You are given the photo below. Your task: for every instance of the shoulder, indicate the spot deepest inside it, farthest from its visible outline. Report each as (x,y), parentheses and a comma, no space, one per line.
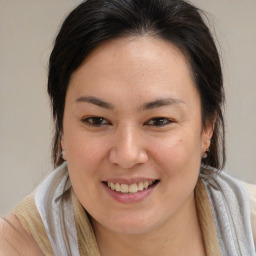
(14,239)
(252,192)
(237,195)
(252,196)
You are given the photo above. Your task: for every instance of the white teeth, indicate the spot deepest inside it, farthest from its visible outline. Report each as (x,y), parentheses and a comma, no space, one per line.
(117,187)
(146,183)
(133,188)
(140,186)
(124,188)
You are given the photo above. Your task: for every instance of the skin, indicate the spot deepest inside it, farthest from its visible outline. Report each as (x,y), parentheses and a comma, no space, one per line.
(150,128)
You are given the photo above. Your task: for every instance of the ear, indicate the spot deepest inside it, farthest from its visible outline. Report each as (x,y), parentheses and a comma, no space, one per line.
(62,142)
(207,133)
(63,147)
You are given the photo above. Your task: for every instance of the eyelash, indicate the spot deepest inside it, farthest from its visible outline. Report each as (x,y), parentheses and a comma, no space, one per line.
(159,121)
(98,121)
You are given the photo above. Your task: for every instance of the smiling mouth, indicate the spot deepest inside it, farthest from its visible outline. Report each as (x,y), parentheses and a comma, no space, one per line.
(130,189)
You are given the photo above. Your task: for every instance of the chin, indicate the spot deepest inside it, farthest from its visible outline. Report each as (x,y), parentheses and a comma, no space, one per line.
(132,225)
(132,229)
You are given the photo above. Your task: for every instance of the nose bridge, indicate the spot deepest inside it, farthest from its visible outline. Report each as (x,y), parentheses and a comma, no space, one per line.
(128,149)
(128,140)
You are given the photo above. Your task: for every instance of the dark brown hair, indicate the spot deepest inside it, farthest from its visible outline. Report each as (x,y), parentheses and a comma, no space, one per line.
(96,21)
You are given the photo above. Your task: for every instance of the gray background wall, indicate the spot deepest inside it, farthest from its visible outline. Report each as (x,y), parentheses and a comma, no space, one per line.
(27,29)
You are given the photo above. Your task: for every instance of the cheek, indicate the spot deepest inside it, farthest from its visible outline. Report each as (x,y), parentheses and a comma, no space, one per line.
(85,156)
(85,149)
(177,154)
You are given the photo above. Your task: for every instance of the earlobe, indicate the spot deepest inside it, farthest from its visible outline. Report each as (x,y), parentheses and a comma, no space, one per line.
(206,143)
(207,135)
(63,152)
(205,154)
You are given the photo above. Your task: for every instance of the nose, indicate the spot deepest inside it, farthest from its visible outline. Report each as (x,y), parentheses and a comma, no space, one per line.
(128,150)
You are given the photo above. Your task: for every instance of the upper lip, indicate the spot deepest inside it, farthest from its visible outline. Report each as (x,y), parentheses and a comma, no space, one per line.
(128,181)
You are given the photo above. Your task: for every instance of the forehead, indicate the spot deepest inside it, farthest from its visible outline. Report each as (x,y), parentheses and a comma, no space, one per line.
(141,65)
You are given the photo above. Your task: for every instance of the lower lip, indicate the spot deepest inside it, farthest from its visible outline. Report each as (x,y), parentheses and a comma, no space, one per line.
(130,198)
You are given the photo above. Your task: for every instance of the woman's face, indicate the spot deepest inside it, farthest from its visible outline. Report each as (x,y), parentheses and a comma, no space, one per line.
(133,118)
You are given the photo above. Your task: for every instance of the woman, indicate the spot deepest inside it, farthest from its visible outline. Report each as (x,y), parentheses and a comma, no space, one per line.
(137,95)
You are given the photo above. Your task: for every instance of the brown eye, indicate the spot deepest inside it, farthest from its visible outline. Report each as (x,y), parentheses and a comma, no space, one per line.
(159,121)
(95,121)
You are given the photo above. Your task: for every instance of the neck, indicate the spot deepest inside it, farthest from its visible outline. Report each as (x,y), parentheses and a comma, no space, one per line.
(180,235)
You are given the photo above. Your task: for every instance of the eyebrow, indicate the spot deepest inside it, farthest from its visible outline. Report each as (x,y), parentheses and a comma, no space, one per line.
(95,101)
(147,106)
(161,103)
